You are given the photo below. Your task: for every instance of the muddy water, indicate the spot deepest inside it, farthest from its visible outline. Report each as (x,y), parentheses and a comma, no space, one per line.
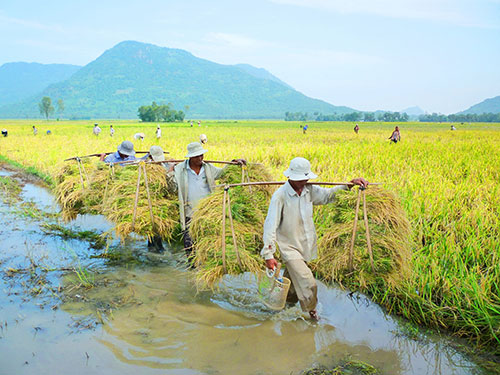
(147,318)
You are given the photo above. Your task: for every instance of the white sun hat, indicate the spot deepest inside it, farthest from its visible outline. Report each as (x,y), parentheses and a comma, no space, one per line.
(195,149)
(203,139)
(156,153)
(300,169)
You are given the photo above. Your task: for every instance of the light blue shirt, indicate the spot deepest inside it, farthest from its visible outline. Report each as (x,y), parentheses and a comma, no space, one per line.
(115,158)
(197,189)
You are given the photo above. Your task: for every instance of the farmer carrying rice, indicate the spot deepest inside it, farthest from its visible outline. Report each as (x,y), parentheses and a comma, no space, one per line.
(289,223)
(193,179)
(125,152)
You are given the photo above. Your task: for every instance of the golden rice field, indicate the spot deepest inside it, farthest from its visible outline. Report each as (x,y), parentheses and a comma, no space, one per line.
(448,183)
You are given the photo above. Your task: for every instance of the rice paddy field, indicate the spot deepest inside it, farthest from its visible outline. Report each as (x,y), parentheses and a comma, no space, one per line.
(448,183)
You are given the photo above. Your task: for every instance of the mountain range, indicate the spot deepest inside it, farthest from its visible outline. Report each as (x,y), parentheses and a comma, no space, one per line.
(491,105)
(132,74)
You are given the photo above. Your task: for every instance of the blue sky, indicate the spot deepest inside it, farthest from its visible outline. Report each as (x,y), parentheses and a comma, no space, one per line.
(442,55)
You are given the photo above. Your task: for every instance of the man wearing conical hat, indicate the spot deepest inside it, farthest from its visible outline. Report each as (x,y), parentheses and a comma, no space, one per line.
(194,180)
(289,224)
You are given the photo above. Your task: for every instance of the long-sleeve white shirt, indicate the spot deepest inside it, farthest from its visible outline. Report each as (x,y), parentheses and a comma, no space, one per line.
(289,221)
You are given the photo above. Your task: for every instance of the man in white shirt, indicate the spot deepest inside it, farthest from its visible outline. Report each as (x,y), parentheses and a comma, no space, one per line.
(194,180)
(111,131)
(158,132)
(289,223)
(97,130)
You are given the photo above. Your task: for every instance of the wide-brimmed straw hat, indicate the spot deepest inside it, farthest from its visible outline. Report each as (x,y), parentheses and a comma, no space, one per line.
(195,149)
(156,153)
(126,148)
(299,170)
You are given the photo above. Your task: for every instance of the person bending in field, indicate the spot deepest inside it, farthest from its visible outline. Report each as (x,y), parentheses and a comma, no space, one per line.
(193,179)
(125,152)
(5,133)
(289,224)
(356,129)
(96,130)
(395,136)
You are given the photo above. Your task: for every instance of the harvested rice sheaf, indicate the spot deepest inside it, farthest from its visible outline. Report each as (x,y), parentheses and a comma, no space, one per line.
(111,193)
(120,201)
(249,208)
(75,198)
(390,235)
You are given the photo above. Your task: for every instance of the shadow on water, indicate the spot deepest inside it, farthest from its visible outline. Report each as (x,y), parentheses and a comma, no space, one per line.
(63,310)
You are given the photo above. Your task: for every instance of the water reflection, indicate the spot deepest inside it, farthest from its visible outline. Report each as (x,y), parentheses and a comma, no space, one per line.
(171,326)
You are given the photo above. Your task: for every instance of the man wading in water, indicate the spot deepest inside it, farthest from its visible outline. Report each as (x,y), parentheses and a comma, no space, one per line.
(193,179)
(289,223)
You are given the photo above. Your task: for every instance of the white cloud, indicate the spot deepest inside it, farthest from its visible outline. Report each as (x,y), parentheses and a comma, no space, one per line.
(453,12)
(234,40)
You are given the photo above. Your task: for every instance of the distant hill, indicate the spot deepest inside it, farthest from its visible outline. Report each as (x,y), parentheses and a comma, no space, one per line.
(132,74)
(413,111)
(260,73)
(491,105)
(20,80)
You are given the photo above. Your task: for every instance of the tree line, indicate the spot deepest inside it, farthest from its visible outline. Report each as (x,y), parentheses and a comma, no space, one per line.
(354,116)
(158,113)
(392,117)
(470,117)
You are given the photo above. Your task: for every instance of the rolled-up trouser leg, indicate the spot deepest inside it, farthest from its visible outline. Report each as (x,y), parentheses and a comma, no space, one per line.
(304,284)
(188,242)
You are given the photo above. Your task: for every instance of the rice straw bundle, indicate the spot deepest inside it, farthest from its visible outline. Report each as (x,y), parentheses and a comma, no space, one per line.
(248,208)
(119,204)
(75,199)
(390,238)
(111,193)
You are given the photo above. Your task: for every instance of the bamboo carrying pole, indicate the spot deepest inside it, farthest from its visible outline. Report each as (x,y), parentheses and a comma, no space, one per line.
(224,230)
(105,153)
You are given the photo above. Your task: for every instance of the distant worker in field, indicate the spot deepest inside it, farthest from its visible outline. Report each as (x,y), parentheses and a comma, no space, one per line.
(356,129)
(49,132)
(124,152)
(199,123)
(203,139)
(396,135)
(111,131)
(304,129)
(193,179)
(289,224)
(191,123)
(453,127)
(5,133)
(158,132)
(35,130)
(139,136)
(96,130)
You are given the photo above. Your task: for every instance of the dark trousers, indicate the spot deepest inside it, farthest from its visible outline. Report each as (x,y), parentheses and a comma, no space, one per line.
(188,241)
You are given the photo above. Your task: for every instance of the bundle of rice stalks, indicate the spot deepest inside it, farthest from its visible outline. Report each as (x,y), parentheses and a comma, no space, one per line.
(389,233)
(248,208)
(119,203)
(75,198)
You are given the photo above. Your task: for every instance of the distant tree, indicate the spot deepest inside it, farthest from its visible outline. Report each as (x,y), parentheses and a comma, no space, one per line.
(45,107)
(60,106)
(163,112)
(369,116)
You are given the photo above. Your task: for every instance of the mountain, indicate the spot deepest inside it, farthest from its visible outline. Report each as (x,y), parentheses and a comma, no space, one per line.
(260,73)
(413,111)
(20,80)
(491,105)
(132,74)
